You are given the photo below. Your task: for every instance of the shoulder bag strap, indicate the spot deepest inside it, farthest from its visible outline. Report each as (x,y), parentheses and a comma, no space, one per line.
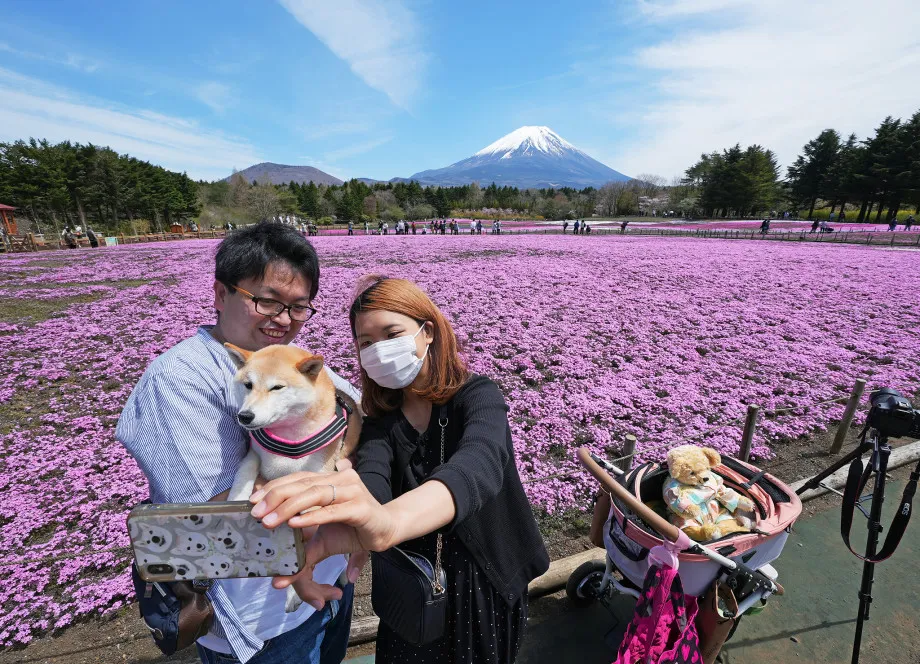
(442,422)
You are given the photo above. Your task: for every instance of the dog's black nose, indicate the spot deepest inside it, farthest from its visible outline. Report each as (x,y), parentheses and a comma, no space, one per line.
(246,416)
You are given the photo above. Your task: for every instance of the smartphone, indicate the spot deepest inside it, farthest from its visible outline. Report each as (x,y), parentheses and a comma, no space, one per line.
(217,540)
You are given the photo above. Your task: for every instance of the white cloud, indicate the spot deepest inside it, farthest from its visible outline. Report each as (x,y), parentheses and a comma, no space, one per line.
(72,60)
(32,108)
(667,8)
(380,41)
(356,149)
(331,169)
(321,131)
(774,72)
(217,96)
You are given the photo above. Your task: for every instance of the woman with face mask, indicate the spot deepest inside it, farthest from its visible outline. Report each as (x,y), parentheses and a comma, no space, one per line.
(435,474)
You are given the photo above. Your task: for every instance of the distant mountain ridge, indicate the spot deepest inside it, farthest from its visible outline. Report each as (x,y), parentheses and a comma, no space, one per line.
(528,157)
(283,174)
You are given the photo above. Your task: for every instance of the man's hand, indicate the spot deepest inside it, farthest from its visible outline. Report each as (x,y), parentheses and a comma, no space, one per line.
(316,548)
(313,593)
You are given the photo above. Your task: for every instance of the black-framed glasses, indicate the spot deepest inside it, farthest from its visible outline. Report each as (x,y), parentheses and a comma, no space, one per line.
(271,308)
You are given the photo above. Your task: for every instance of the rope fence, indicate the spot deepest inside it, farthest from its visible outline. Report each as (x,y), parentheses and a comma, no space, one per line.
(748,433)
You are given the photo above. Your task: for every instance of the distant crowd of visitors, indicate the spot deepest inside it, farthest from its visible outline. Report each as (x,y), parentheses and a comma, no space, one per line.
(580,227)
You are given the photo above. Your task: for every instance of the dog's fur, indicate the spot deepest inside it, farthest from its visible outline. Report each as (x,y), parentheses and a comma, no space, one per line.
(290,393)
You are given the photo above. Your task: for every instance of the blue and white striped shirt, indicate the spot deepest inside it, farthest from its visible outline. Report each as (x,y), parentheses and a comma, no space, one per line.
(180,426)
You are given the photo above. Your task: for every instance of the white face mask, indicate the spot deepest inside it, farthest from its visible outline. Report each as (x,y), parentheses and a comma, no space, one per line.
(393,363)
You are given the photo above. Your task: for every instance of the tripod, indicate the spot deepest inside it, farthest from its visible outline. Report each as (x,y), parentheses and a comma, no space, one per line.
(878,466)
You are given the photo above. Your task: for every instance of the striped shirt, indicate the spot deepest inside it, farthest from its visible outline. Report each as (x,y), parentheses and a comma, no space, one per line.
(180,426)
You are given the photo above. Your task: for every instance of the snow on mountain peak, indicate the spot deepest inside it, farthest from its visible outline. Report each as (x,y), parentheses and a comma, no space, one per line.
(528,139)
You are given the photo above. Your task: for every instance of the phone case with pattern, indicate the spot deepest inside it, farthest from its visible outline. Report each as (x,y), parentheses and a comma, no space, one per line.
(219,540)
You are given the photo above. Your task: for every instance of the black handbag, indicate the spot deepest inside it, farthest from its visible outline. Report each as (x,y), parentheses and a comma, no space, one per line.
(408,593)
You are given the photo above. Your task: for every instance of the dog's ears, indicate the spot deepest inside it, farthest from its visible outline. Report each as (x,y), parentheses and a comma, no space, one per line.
(237,354)
(311,366)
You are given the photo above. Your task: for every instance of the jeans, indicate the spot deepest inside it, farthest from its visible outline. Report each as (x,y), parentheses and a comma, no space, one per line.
(322,639)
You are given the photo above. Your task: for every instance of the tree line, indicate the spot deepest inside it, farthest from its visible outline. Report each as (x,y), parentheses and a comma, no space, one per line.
(881,171)
(72,184)
(356,200)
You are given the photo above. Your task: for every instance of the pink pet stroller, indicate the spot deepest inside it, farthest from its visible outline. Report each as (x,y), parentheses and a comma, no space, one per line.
(736,566)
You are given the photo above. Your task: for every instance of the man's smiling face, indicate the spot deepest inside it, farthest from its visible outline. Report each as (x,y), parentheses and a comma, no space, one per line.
(243,326)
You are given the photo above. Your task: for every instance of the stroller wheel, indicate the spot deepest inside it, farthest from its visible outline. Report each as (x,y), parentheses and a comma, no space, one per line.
(584,583)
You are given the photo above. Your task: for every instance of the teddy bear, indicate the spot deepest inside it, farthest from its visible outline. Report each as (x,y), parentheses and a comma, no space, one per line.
(699,503)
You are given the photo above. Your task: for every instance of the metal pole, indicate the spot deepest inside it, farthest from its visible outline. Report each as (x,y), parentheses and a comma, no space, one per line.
(848,414)
(750,425)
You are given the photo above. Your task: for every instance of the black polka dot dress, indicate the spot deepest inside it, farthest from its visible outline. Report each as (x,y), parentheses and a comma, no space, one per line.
(482,628)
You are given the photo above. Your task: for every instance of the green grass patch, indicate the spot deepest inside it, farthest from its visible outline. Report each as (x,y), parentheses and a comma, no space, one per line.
(572,523)
(48,262)
(21,406)
(119,283)
(25,311)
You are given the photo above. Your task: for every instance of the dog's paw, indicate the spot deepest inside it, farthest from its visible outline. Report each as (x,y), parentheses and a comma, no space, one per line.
(241,492)
(293,600)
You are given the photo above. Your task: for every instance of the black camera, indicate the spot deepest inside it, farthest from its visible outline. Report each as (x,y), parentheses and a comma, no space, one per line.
(892,415)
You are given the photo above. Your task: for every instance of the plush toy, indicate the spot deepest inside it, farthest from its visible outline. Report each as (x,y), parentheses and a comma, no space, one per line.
(699,503)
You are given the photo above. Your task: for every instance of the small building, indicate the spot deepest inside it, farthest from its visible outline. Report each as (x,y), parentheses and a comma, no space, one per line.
(6,218)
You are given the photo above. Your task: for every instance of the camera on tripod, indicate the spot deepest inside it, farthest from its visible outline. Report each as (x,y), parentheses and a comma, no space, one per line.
(892,415)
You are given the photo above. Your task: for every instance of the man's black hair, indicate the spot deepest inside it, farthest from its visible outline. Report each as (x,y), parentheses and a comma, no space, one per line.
(246,253)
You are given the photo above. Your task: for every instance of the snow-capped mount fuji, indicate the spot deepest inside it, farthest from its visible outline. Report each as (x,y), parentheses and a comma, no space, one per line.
(529,157)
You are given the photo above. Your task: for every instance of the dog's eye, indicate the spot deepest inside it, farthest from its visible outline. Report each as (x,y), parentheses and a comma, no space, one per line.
(276,387)
(247,385)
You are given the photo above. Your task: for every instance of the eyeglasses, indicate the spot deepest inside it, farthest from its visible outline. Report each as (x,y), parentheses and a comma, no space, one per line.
(271,308)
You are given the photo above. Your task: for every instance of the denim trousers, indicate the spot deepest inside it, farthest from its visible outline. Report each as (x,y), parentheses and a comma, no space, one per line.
(322,639)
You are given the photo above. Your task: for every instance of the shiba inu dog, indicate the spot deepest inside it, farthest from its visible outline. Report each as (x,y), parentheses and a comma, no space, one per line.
(296,419)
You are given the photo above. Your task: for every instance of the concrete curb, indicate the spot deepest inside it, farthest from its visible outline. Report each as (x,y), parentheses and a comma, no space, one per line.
(555,578)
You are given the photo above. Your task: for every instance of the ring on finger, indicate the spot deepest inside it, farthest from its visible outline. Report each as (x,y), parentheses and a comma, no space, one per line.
(332,486)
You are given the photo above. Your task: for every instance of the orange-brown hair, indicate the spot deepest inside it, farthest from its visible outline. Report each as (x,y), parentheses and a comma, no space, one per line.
(447,371)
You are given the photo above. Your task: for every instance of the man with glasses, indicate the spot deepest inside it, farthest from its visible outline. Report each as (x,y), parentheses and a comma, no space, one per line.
(180,425)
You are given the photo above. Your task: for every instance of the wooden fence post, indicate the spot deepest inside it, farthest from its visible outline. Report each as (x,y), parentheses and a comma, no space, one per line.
(750,425)
(32,245)
(848,414)
(629,448)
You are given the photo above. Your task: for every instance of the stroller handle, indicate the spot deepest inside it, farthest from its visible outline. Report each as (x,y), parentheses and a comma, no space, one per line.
(664,528)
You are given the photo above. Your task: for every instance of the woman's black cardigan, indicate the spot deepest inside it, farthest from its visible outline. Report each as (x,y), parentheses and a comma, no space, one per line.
(493,520)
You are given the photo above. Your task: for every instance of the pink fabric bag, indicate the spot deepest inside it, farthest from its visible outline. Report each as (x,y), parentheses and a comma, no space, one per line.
(662,630)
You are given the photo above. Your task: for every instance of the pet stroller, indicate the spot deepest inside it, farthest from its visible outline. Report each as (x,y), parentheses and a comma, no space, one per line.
(733,572)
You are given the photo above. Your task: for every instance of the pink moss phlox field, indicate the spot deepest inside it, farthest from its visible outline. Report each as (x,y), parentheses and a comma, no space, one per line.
(776,226)
(590,339)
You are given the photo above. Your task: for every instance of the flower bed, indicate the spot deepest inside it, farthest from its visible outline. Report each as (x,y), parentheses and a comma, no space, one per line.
(590,341)
(776,225)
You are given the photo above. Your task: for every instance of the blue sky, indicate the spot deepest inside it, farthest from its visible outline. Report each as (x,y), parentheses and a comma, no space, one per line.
(371,88)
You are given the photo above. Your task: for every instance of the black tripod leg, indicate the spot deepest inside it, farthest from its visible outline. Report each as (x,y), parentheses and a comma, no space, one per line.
(879,465)
(833,468)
